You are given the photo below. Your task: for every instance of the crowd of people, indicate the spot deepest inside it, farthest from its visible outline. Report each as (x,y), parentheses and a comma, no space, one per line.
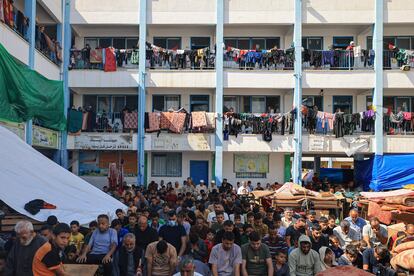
(202,230)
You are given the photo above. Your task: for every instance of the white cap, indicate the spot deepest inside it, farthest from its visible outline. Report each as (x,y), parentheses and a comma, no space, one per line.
(212,181)
(201,181)
(352,42)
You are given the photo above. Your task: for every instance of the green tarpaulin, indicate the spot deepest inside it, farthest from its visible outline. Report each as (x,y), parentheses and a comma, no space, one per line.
(27,95)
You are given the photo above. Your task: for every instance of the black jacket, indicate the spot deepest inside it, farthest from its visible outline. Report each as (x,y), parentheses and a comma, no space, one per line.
(123,259)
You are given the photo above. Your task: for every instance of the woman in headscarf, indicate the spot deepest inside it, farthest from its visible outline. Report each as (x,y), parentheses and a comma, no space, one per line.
(327,258)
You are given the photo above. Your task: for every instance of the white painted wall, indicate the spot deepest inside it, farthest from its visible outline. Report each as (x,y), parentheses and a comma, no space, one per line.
(53,7)
(45,67)
(276,169)
(14,44)
(104,12)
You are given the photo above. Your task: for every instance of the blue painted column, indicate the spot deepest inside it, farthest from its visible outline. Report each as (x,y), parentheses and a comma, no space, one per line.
(30,12)
(67,41)
(378,67)
(297,39)
(141,91)
(218,163)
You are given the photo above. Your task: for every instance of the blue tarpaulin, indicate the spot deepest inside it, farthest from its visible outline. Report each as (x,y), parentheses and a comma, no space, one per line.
(363,173)
(337,176)
(392,171)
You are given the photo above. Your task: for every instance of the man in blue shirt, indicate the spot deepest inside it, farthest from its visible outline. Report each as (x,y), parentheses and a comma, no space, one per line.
(357,223)
(102,246)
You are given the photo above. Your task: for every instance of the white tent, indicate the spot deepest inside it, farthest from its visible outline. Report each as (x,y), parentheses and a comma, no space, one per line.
(25,174)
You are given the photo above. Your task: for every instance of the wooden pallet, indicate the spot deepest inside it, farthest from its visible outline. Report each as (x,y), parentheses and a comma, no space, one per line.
(9,221)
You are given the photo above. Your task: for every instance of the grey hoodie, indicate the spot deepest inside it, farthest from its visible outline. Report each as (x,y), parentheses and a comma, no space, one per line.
(301,264)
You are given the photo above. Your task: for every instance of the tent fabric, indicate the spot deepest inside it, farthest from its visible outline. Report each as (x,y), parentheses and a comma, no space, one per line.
(363,173)
(26,94)
(26,175)
(392,172)
(335,175)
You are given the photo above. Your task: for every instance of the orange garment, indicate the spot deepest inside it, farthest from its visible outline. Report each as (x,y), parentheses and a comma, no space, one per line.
(46,260)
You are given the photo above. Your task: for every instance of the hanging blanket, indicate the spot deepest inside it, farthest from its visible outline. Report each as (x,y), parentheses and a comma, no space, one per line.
(396,193)
(374,210)
(177,122)
(199,119)
(211,120)
(131,120)
(165,120)
(154,121)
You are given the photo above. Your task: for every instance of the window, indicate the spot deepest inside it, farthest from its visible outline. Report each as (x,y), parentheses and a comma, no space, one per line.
(118,103)
(166,165)
(388,102)
(250,175)
(116,42)
(119,43)
(90,100)
(131,102)
(132,43)
(231,102)
(93,42)
(257,43)
(261,104)
(313,100)
(312,43)
(168,42)
(199,103)
(165,102)
(200,42)
(403,42)
(258,104)
(104,104)
(343,103)
(342,41)
(105,42)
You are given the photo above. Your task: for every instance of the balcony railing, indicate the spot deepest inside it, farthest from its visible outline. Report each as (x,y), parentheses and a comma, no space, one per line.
(241,60)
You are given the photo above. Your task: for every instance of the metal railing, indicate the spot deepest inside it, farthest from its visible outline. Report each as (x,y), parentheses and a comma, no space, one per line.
(277,60)
(337,60)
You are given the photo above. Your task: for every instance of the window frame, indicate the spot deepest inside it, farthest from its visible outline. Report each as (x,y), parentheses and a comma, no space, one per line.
(125,38)
(164,103)
(343,96)
(250,39)
(192,101)
(199,47)
(321,38)
(351,38)
(166,174)
(167,38)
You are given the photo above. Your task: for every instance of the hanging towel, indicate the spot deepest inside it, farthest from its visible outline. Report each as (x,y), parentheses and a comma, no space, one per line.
(211,120)
(110,60)
(75,121)
(199,119)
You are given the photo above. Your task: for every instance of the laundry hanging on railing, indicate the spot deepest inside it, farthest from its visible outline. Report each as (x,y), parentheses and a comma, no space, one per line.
(249,59)
(180,121)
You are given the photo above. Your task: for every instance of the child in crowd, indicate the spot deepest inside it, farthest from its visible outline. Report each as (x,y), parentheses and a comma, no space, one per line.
(281,266)
(237,221)
(335,246)
(76,238)
(209,241)
(133,220)
(247,229)
(71,254)
(331,225)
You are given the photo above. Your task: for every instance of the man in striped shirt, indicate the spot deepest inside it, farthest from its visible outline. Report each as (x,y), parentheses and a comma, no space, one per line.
(275,243)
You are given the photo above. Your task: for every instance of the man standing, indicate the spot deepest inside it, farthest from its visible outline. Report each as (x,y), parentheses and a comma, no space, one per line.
(287,219)
(357,223)
(226,257)
(20,259)
(174,234)
(375,233)
(48,258)
(256,257)
(345,234)
(304,261)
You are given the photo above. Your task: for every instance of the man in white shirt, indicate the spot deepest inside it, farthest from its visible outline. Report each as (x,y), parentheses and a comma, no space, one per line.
(187,267)
(375,233)
(345,234)
(201,187)
(211,218)
(244,189)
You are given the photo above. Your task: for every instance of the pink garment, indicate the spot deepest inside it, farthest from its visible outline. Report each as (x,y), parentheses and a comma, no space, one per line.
(407,116)
(330,117)
(131,120)
(154,121)
(166,118)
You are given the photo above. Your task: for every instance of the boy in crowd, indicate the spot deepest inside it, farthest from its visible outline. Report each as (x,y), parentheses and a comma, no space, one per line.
(49,257)
(76,238)
(335,246)
(281,267)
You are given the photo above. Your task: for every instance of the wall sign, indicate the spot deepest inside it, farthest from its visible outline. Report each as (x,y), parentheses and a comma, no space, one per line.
(103,142)
(45,138)
(255,163)
(316,143)
(16,128)
(200,142)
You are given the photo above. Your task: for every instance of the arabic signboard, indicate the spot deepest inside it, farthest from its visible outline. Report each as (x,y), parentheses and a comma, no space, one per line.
(16,128)
(45,138)
(103,142)
(255,163)
(316,144)
(189,142)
